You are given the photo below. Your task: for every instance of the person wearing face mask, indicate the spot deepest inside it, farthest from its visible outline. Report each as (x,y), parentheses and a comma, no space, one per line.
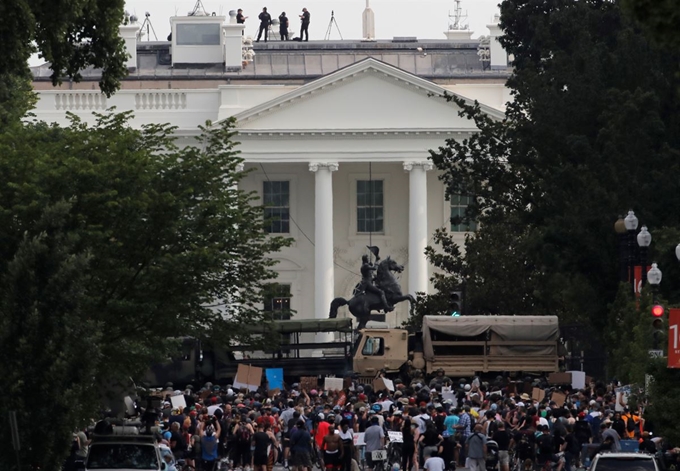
(408,447)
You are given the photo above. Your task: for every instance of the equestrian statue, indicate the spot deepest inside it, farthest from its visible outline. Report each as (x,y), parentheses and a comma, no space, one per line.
(379,292)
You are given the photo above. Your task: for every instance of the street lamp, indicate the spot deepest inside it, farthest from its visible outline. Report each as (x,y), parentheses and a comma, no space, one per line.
(644,239)
(654,276)
(622,236)
(677,252)
(631,223)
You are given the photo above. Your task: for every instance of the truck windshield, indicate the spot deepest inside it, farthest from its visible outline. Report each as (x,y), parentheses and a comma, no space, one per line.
(122,456)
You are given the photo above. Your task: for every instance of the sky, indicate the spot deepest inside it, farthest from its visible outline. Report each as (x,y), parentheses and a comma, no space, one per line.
(424,19)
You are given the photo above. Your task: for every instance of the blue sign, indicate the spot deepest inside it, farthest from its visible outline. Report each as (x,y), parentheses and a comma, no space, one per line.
(274,378)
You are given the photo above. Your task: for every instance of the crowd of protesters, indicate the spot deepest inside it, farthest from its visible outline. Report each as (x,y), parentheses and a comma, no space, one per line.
(440,423)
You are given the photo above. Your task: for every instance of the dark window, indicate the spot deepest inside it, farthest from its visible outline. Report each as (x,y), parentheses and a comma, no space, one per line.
(198,35)
(276,196)
(459,204)
(122,456)
(370,207)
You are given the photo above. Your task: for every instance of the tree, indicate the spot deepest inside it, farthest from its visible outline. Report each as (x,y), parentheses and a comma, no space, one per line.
(172,248)
(52,343)
(660,19)
(71,36)
(593,130)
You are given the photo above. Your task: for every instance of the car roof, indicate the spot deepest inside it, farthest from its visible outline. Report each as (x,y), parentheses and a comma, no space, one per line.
(642,456)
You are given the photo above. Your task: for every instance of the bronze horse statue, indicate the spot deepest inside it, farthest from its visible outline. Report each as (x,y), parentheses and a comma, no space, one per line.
(362,303)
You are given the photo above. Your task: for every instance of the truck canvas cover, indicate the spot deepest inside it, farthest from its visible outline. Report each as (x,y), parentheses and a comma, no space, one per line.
(543,331)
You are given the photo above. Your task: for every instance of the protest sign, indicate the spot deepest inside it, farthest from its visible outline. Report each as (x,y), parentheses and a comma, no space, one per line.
(537,394)
(307,383)
(178,402)
(274,378)
(333,384)
(559,398)
(248,377)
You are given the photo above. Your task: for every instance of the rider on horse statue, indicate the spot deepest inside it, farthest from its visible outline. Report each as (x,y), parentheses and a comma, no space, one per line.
(367,284)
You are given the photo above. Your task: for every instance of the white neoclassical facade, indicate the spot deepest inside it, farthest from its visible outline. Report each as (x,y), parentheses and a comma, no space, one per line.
(336,136)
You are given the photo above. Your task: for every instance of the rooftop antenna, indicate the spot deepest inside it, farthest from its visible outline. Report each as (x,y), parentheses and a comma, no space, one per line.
(456,20)
(330,27)
(149,28)
(199,9)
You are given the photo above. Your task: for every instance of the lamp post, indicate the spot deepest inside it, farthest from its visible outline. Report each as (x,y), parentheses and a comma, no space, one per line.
(631,223)
(644,239)
(621,235)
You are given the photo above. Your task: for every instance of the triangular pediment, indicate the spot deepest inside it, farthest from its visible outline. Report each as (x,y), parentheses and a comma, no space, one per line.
(368,95)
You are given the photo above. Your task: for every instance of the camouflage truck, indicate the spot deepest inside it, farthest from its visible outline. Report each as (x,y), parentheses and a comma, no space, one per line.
(462,346)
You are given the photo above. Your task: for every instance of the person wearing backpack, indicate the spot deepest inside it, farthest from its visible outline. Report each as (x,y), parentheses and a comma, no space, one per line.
(475,450)
(243,436)
(632,425)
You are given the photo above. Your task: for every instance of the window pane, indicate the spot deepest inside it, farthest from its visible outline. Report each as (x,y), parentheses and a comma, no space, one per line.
(459,204)
(370,206)
(276,197)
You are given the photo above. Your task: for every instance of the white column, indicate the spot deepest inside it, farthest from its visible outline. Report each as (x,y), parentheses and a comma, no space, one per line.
(417,226)
(324,281)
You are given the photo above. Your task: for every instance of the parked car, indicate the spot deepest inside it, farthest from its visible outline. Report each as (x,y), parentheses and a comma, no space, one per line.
(124,453)
(624,462)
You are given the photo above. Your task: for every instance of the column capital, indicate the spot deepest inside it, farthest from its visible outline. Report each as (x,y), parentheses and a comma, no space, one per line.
(330,166)
(424,164)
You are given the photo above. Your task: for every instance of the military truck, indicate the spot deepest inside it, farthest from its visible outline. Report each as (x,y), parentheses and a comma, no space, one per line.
(199,362)
(462,346)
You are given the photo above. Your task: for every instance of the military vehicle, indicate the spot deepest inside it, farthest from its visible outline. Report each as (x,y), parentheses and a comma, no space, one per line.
(200,362)
(462,346)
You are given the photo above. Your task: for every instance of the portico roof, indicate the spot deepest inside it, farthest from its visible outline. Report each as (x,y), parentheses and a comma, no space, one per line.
(368,96)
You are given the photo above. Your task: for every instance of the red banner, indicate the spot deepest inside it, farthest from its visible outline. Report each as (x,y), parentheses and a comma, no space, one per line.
(637,275)
(674,338)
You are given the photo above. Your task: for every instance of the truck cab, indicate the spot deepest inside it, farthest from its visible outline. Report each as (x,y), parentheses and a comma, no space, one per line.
(377,349)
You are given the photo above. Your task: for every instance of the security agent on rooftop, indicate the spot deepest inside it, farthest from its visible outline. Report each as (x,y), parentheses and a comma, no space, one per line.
(304,28)
(265,21)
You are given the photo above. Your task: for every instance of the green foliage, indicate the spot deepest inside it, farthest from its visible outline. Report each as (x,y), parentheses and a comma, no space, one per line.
(659,18)
(50,345)
(663,410)
(592,131)
(71,35)
(630,336)
(152,241)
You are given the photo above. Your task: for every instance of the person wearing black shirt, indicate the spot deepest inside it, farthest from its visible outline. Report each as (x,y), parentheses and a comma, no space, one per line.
(265,21)
(647,445)
(304,28)
(546,449)
(502,438)
(283,26)
(240,19)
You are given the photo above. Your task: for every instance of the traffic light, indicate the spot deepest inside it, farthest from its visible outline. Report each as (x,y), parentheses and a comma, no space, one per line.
(456,303)
(657,326)
(657,310)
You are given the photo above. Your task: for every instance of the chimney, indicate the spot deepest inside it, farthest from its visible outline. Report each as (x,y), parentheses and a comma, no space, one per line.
(368,20)
(128,31)
(499,58)
(236,51)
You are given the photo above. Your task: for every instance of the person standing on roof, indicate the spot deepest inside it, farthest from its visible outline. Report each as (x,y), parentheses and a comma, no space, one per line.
(304,28)
(265,21)
(283,26)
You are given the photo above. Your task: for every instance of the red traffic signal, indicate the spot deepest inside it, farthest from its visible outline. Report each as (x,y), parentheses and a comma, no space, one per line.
(657,310)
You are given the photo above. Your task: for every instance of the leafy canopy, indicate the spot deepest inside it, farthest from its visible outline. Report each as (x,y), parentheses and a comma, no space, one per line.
(70,34)
(113,240)
(592,131)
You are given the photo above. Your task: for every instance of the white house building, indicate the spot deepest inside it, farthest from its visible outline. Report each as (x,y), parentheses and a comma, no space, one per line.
(336,133)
